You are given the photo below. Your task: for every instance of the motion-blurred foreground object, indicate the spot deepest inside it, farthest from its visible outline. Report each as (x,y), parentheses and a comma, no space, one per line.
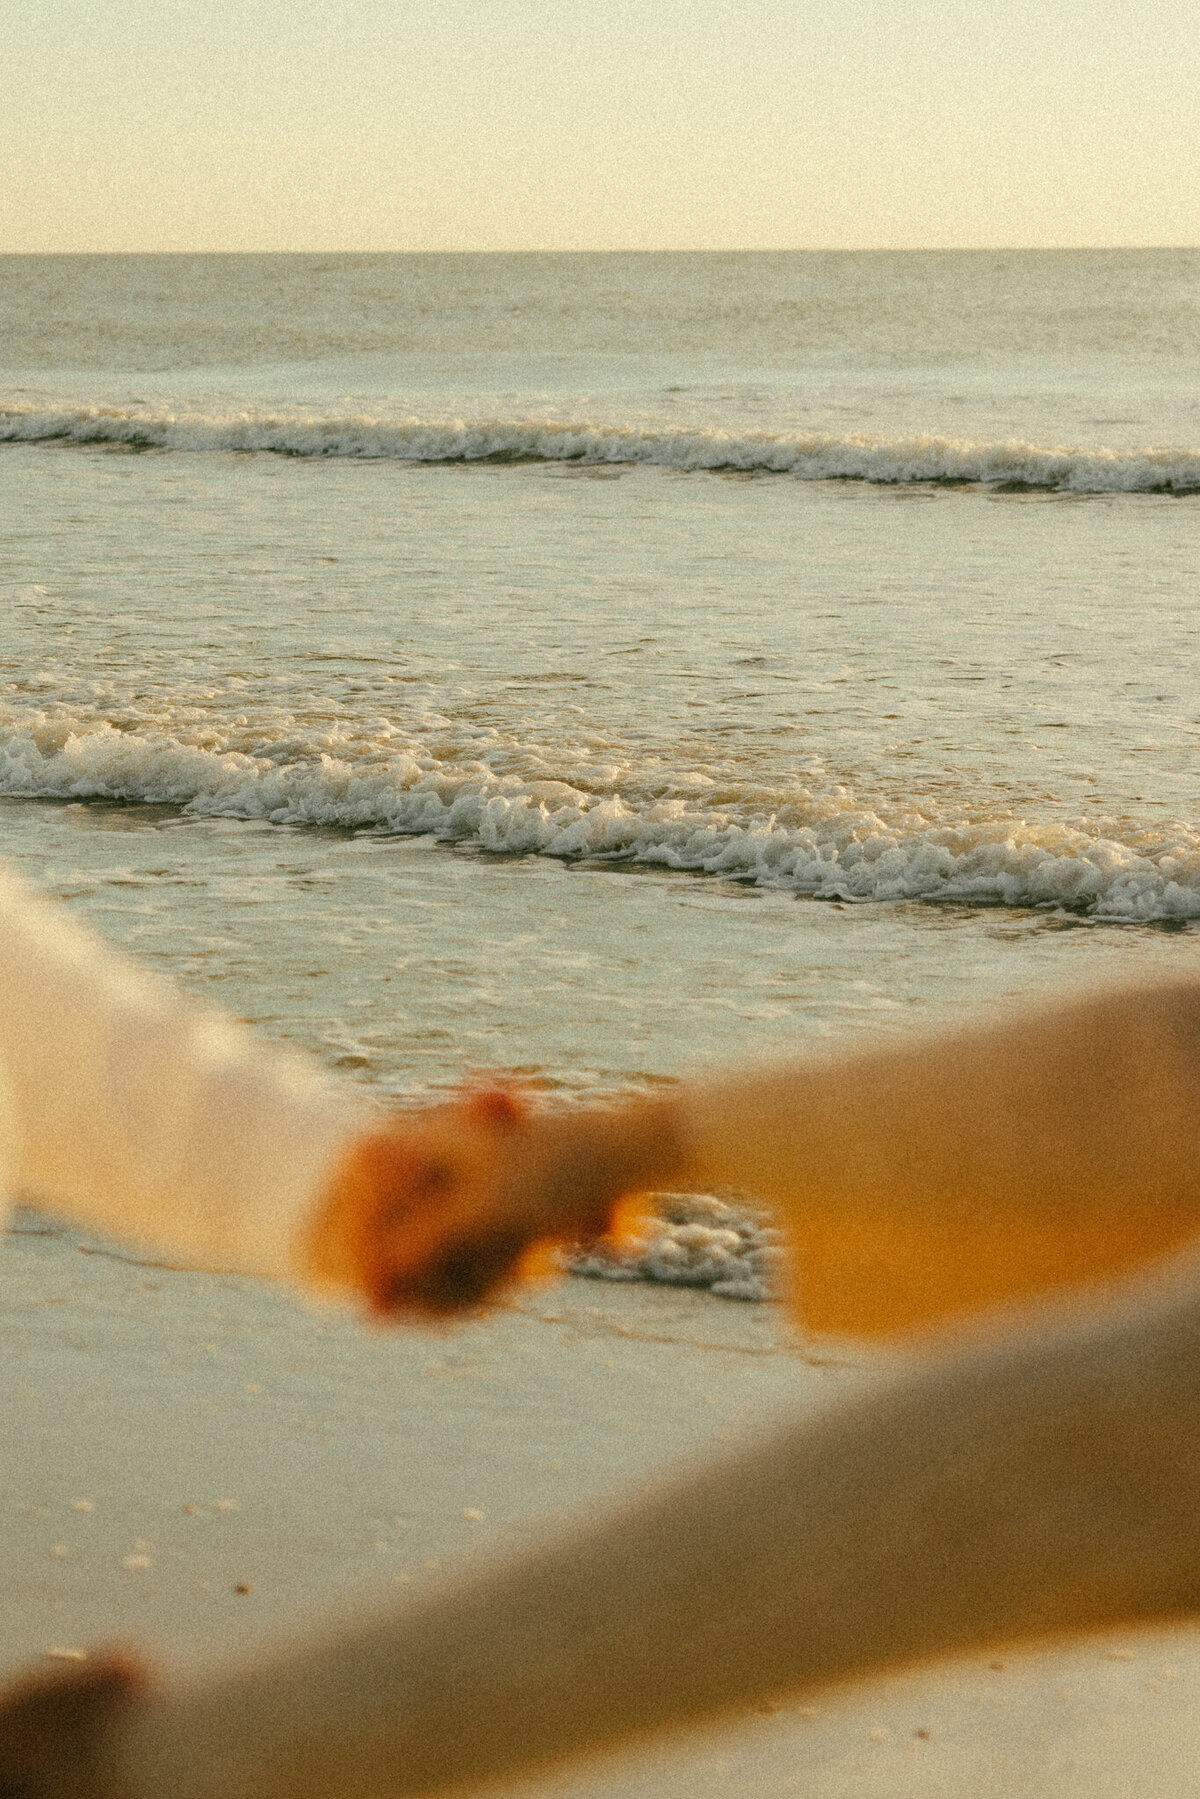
(1035,1483)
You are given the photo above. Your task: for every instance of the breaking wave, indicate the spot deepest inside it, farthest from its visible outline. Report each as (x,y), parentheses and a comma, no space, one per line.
(808,457)
(822,846)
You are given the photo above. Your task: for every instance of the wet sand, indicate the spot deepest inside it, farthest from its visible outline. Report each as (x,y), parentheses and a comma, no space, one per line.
(199,1466)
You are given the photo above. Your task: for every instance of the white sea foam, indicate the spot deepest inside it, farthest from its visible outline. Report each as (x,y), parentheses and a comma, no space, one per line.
(809,457)
(825,845)
(695,1240)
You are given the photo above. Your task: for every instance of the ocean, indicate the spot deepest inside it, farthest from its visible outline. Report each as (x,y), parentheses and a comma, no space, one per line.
(603,667)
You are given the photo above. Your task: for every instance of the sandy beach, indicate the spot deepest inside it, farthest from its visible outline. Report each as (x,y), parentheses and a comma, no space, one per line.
(200,1466)
(579,552)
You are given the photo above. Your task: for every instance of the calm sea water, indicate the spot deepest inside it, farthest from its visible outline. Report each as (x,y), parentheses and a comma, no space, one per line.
(605,666)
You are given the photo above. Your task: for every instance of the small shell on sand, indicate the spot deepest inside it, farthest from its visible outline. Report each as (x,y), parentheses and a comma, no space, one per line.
(59,1654)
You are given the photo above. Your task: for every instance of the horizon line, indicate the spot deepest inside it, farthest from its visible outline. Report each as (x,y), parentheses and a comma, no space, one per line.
(666,250)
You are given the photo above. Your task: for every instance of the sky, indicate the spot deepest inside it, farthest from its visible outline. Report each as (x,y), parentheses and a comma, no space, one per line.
(254,125)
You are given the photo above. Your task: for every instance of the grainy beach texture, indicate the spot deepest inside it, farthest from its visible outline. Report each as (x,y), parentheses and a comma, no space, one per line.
(595,668)
(203,1468)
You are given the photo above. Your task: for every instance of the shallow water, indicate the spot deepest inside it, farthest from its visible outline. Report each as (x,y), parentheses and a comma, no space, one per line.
(601,762)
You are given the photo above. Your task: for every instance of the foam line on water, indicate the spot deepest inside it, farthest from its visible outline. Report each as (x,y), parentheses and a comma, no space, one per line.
(694,1240)
(825,846)
(810,457)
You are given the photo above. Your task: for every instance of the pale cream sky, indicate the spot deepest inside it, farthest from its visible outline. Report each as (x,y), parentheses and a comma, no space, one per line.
(597,124)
